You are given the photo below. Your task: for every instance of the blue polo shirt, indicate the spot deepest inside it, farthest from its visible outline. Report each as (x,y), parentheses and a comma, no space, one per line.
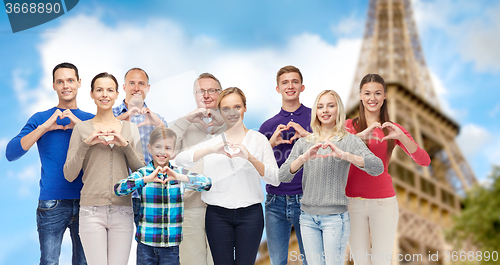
(302,116)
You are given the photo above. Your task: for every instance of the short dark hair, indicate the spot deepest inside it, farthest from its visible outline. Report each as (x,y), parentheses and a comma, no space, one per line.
(103,75)
(288,69)
(65,65)
(138,69)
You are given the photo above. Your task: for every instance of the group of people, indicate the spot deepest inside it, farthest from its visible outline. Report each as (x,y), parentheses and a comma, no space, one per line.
(326,176)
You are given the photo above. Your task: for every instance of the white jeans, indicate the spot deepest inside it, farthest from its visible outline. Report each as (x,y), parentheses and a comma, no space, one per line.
(378,217)
(106,233)
(194,249)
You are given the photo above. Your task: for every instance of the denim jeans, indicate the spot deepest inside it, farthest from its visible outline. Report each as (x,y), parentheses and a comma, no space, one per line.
(234,234)
(148,255)
(325,237)
(282,211)
(52,219)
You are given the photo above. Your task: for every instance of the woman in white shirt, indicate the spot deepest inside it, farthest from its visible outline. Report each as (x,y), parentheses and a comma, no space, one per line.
(236,161)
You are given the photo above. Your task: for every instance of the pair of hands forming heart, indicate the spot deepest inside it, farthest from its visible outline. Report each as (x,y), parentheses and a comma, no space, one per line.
(105,138)
(394,132)
(205,117)
(150,118)
(312,153)
(277,139)
(167,171)
(231,150)
(51,123)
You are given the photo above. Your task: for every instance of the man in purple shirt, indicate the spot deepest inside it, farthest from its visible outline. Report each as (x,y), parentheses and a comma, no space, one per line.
(283,202)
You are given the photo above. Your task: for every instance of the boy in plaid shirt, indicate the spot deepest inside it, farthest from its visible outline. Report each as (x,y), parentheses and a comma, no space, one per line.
(161,188)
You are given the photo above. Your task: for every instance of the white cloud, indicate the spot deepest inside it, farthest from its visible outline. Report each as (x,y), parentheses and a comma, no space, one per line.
(442,94)
(472,29)
(472,140)
(173,59)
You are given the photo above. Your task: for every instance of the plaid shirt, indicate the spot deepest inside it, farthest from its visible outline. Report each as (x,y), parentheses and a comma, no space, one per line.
(162,205)
(144,130)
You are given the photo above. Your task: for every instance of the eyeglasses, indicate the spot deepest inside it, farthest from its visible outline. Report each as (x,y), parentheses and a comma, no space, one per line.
(210,91)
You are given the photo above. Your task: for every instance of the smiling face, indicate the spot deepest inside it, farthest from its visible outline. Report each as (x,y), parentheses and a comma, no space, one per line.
(162,150)
(232,109)
(290,86)
(372,96)
(203,87)
(327,110)
(104,93)
(136,86)
(66,84)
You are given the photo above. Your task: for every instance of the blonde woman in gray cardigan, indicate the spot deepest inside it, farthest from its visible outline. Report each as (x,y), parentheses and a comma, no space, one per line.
(326,156)
(104,148)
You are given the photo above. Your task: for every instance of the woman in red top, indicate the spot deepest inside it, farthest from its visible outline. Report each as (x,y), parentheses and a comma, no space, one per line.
(372,201)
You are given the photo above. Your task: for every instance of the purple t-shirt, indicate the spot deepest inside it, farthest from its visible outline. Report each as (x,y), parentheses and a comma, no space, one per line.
(301,116)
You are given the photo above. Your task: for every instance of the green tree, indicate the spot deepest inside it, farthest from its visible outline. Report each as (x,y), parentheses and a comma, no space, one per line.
(479,221)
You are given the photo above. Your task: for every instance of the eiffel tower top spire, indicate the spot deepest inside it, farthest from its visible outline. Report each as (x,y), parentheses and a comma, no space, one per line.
(391,48)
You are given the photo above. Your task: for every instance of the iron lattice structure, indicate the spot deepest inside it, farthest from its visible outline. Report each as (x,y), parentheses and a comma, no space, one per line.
(427,196)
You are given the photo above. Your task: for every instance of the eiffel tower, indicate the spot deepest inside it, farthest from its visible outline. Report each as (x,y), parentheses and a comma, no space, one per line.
(427,196)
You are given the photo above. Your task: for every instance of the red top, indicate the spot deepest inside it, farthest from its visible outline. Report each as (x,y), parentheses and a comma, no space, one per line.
(360,184)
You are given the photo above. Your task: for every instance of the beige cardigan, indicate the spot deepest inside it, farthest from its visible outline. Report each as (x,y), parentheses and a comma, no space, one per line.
(102,165)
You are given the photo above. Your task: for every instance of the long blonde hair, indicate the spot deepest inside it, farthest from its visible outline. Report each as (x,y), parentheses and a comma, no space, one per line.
(339,129)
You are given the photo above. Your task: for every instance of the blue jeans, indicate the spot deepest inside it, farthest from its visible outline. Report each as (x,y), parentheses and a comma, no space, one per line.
(148,255)
(283,211)
(325,237)
(234,234)
(52,219)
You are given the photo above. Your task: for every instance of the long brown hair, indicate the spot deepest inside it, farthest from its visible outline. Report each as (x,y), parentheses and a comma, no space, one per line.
(359,122)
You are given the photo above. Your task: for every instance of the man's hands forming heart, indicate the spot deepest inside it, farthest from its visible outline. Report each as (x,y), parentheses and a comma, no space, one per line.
(276,138)
(51,123)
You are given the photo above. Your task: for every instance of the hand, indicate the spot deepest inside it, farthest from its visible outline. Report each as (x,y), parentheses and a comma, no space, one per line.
(239,150)
(299,131)
(150,118)
(276,138)
(217,119)
(153,177)
(220,149)
(117,140)
(73,119)
(336,152)
(394,131)
(172,175)
(94,139)
(312,153)
(51,123)
(367,133)
(132,110)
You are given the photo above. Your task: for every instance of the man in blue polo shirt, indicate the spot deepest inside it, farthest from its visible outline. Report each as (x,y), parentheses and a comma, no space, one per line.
(59,200)
(283,202)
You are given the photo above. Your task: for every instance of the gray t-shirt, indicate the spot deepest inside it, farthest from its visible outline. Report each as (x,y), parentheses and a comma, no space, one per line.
(324,179)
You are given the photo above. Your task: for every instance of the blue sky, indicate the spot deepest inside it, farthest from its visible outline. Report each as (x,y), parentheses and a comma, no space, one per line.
(243,43)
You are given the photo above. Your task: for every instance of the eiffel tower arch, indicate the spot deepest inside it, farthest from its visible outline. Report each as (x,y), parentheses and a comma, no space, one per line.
(427,196)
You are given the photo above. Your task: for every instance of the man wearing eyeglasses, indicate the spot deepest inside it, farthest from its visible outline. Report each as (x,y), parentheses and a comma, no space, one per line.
(192,129)
(134,109)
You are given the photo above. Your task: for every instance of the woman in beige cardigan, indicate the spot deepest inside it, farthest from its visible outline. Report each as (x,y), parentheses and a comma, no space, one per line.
(105,148)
